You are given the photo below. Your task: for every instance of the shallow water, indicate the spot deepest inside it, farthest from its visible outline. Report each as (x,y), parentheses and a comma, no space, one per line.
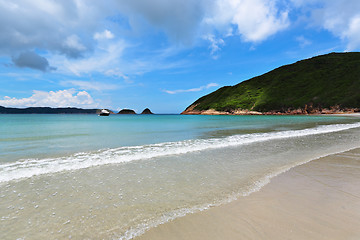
(90,177)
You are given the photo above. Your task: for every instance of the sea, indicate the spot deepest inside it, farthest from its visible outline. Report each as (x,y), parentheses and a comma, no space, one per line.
(92,177)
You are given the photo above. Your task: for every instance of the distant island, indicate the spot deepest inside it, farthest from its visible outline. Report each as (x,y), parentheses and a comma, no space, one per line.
(130,111)
(146,111)
(69,110)
(319,85)
(126,111)
(47,110)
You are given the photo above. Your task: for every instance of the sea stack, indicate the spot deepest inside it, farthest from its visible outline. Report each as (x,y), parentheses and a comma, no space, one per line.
(126,111)
(146,111)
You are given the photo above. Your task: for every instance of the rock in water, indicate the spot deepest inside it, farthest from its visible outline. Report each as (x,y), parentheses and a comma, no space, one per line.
(146,111)
(126,111)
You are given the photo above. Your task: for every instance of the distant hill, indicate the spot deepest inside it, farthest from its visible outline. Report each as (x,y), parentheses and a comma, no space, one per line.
(47,110)
(323,84)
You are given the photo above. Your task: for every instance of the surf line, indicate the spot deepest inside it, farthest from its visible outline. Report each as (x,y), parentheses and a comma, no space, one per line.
(33,167)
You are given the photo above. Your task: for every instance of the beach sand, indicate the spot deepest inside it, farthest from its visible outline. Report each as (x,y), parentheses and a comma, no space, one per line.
(317,200)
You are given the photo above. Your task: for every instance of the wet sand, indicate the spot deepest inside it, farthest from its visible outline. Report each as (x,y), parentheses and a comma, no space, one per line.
(317,200)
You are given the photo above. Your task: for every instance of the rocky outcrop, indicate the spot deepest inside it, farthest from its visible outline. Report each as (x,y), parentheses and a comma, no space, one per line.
(127,111)
(146,111)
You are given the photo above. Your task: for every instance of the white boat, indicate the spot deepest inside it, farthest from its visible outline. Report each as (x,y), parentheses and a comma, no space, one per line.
(104,112)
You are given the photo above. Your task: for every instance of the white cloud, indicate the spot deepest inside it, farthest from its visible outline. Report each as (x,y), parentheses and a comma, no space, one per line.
(105,57)
(77,36)
(106,34)
(79,28)
(72,23)
(71,34)
(54,26)
(192,89)
(61,98)
(255,20)
(92,85)
(216,44)
(340,17)
(186,20)
(352,34)
(73,42)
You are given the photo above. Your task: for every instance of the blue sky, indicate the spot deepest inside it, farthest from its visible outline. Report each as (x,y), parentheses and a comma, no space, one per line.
(160,54)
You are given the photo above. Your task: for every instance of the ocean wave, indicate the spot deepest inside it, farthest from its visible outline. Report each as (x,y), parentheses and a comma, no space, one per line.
(32,167)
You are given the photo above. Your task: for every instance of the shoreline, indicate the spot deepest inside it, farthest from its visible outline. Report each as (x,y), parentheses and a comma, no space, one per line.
(272,113)
(305,202)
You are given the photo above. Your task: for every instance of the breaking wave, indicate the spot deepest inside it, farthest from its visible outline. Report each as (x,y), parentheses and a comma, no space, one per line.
(32,167)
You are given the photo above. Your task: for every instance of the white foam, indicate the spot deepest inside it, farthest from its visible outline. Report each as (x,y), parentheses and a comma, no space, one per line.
(32,167)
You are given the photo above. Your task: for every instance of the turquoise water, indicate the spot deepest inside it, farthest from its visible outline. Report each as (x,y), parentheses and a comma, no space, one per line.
(91,177)
(40,136)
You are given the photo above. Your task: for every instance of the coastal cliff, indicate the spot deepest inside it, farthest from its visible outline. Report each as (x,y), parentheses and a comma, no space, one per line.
(320,85)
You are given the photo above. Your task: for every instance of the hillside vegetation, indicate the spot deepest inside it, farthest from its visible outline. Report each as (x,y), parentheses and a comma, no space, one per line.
(323,82)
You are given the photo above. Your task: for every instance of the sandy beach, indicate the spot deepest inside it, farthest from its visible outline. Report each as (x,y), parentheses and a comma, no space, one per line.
(317,200)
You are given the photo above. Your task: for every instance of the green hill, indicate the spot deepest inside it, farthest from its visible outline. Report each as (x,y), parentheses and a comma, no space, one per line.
(329,81)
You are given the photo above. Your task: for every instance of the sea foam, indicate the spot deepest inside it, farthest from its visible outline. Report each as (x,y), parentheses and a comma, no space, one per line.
(32,167)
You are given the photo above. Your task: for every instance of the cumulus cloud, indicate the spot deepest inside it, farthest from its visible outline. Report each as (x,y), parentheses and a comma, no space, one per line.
(340,17)
(75,29)
(48,25)
(254,20)
(72,32)
(61,98)
(184,20)
(68,27)
(352,33)
(192,89)
(32,60)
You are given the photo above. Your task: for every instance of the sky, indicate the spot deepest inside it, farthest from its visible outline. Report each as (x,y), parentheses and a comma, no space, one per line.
(158,54)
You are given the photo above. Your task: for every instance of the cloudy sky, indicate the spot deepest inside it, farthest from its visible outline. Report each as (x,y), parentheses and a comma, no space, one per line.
(161,54)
